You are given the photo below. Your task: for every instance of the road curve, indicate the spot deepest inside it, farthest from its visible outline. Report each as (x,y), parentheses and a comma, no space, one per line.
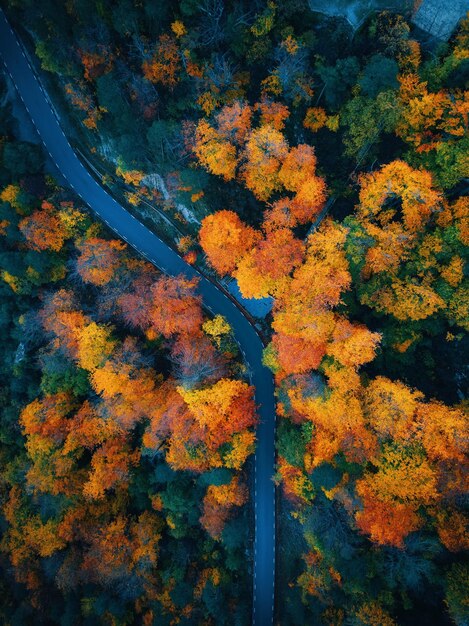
(157,252)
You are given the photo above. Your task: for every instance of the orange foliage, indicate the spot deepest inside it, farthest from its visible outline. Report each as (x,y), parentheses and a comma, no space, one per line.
(441,430)
(390,408)
(298,174)
(296,485)
(403,475)
(242,445)
(165,64)
(88,430)
(214,151)
(44,230)
(168,306)
(452,527)
(429,118)
(339,426)
(225,240)
(10,194)
(110,467)
(99,259)
(109,551)
(218,502)
(352,344)
(95,64)
(234,122)
(315,119)
(385,524)
(129,392)
(168,414)
(391,247)
(406,300)
(371,614)
(48,417)
(174,306)
(273,114)
(398,180)
(279,215)
(42,537)
(265,150)
(59,317)
(296,355)
(266,268)
(221,410)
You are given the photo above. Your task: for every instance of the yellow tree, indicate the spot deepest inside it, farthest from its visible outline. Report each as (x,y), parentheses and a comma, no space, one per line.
(214,151)
(94,345)
(263,155)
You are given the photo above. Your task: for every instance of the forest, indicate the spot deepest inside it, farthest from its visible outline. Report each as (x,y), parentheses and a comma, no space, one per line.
(322,169)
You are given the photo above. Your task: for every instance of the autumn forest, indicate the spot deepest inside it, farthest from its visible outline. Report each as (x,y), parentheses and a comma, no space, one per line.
(318,176)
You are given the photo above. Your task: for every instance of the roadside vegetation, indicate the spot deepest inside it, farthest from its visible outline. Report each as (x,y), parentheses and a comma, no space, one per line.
(325,169)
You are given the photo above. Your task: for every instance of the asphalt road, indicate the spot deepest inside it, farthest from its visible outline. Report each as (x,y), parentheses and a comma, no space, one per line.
(157,252)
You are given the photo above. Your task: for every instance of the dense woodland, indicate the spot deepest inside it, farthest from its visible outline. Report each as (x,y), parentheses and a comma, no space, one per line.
(126,424)
(328,170)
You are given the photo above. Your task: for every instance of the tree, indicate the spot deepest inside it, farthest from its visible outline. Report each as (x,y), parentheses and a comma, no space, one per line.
(47,418)
(214,151)
(440,428)
(94,346)
(110,467)
(225,408)
(387,525)
(431,120)
(175,308)
(168,306)
(225,240)
(279,215)
(406,300)
(403,475)
(379,74)
(60,317)
(457,579)
(218,502)
(99,259)
(390,408)
(95,64)
(273,114)
(452,529)
(165,63)
(265,269)
(216,328)
(264,152)
(352,344)
(315,119)
(372,614)
(418,199)
(338,79)
(298,174)
(296,355)
(43,229)
(196,361)
(234,122)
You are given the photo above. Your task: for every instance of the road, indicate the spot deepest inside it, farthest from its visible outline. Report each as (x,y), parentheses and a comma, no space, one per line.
(157,252)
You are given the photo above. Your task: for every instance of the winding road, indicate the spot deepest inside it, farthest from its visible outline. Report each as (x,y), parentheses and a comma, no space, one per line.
(157,252)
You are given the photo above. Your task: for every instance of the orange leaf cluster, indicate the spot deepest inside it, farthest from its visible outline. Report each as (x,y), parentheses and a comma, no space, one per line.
(165,64)
(44,230)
